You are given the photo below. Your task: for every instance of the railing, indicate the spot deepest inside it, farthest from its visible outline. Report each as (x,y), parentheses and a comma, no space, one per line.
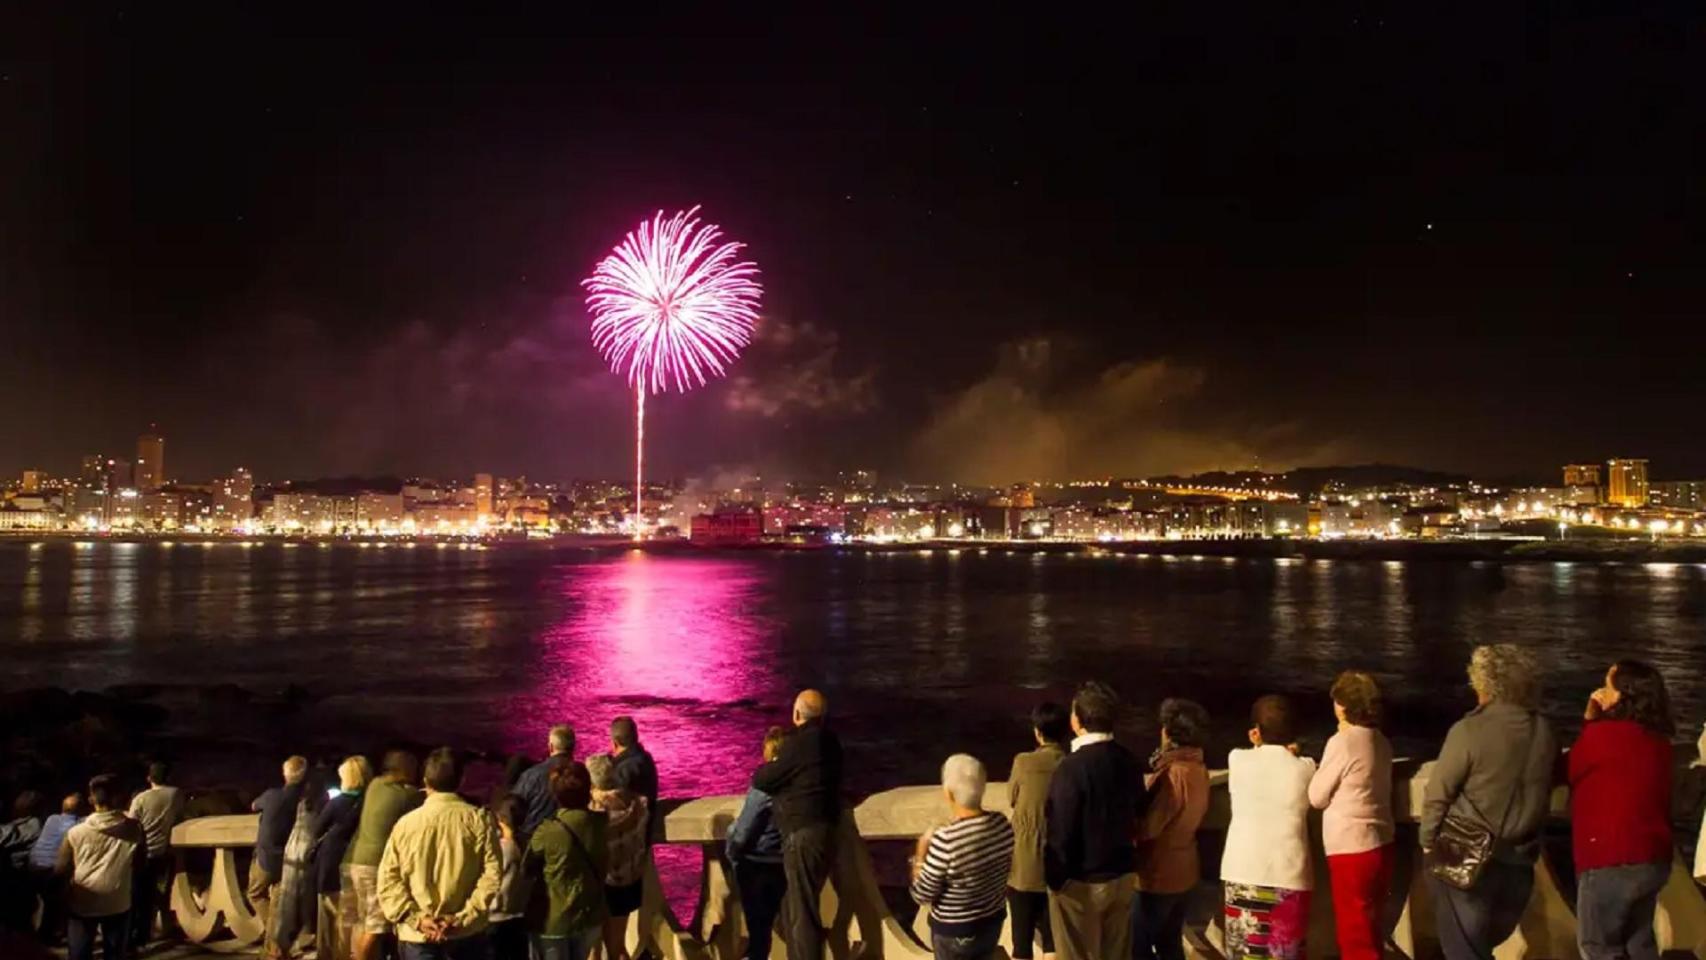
(860,925)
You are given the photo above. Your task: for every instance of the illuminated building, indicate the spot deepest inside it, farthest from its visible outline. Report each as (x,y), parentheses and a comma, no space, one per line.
(32,481)
(234,500)
(35,515)
(778,519)
(378,511)
(726,527)
(311,512)
(1581,475)
(1679,494)
(483,494)
(150,461)
(1627,483)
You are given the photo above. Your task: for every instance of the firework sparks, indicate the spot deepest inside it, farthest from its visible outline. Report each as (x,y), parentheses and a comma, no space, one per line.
(672,305)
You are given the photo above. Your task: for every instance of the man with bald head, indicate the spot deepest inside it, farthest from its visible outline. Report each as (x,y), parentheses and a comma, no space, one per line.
(804,783)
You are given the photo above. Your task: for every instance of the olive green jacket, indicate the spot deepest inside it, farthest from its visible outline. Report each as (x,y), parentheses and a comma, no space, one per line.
(567,860)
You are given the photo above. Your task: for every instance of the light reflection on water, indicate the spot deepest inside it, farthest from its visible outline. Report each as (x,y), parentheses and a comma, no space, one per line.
(921,654)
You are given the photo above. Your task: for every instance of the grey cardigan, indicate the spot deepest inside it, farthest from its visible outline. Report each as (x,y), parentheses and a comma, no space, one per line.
(1496,767)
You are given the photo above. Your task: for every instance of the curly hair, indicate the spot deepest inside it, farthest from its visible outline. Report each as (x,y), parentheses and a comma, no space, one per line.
(1506,673)
(1641,697)
(1359,696)
(1185,721)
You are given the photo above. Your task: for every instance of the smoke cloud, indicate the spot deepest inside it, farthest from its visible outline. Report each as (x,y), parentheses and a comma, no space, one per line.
(1046,412)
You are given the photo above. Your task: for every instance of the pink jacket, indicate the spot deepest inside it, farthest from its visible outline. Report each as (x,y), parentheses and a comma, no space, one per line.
(1354,788)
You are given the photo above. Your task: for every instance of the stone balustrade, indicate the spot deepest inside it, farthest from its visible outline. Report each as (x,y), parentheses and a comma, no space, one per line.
(218,915)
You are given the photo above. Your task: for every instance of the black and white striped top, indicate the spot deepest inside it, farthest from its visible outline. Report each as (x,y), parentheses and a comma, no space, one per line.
(964,875)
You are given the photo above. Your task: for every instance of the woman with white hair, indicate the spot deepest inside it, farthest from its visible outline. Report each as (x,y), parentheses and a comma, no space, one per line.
(1490,789)
(960,869)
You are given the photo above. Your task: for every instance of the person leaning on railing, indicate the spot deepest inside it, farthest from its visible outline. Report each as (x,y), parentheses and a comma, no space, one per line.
(754,848)
(1620,788)
(1175,801)
(1353,789)
(1266,869)
(1494,772)
(959,870)
(1027,792)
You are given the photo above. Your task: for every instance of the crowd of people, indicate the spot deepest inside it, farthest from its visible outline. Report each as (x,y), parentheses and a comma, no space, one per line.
(1098,857)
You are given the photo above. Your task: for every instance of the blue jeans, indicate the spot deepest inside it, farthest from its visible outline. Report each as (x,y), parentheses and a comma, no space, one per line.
(476,947)
(1472,922)
(978,944)
(575,947)
(1614,911)
(80,936)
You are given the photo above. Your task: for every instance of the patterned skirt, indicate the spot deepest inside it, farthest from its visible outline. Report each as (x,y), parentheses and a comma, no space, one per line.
(1264,922)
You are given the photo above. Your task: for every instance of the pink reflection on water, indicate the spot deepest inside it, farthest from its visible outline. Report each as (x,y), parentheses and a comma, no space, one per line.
(679,643)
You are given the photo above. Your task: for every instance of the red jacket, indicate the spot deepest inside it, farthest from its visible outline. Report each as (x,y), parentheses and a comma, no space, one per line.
(1620,776)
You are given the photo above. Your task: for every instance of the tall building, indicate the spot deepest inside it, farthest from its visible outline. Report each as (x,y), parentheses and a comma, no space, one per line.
(234,499)
(1581,475)
(1627,483)
(1679,494)
(32,481)
(150,461)
(483,495)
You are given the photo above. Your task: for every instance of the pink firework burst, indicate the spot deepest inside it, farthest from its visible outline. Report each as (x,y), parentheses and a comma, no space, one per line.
(673,305)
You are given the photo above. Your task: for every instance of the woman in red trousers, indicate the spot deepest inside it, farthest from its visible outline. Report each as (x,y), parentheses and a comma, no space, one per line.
(1353,786)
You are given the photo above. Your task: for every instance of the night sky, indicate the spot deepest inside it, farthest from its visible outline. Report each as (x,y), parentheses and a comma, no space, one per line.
(994,247)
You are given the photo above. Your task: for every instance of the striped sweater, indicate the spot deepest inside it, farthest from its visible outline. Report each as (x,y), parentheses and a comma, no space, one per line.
(963,879)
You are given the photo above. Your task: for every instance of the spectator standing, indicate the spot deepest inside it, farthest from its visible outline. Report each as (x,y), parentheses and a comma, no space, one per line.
(158,809)
(1353,788)
(636,771)
(333,829)
(1688,806)
(44,863)
(1266,869)
(567,858)
(627,826)
(960,870)
(804,785)
(387,799)
(277,807)
(1495,771)
(102,856)
(754,848)
(294,899)
(1620,790)
(534,784)
(1175,801)
(18,837)
(509,921)
(1027,793)
(440,870)
(1089,861)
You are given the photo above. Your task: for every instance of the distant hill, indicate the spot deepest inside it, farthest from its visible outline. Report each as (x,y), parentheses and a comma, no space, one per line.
(1313,479)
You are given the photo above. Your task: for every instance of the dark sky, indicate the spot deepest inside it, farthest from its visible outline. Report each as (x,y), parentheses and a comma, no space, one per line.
(993,246)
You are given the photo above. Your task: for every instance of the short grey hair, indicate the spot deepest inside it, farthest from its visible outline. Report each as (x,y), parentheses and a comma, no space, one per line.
(295,769)
(602,769)
(562,738)
(964,777)
(1506,673)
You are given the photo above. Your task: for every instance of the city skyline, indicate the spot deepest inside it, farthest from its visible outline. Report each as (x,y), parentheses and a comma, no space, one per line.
(990,250)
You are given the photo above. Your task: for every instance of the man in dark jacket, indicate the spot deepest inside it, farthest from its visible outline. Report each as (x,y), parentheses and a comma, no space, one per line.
(277,808)
(534,784)
(1088,859)
(635,769)
(804,784)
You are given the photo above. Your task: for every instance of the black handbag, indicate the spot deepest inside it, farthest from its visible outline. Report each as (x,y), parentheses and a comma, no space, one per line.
(1460,851)
(1463,845)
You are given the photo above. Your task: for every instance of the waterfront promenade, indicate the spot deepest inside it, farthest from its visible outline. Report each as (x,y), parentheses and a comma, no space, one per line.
(210,906)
